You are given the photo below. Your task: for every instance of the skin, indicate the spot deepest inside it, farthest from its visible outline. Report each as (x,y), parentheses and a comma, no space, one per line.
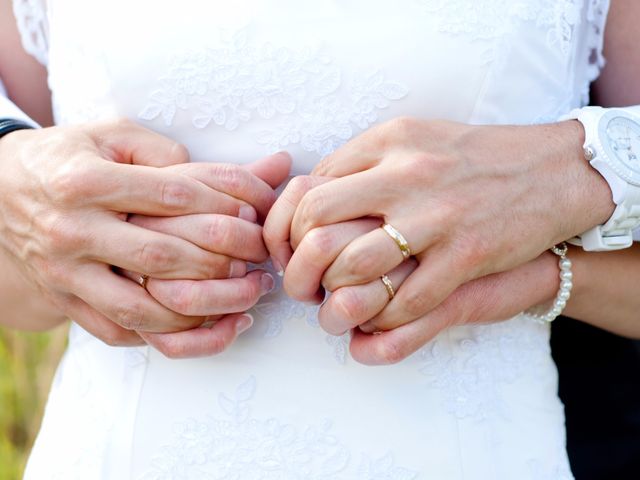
(87,209)
(480,286)
(442,185)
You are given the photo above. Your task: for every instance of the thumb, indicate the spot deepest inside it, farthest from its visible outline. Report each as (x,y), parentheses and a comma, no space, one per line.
(127,142)
(273,169)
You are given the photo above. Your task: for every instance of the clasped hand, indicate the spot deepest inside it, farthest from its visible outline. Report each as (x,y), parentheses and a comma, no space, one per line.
(478,206)
(74,203)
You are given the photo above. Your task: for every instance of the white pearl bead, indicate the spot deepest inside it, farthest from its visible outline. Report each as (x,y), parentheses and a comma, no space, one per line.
(565,264)
(560,303)
(564,295)
(565,275)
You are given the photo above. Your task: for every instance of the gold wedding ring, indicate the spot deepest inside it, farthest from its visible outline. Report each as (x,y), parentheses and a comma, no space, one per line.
(142,281)
(397,237)
(386,281)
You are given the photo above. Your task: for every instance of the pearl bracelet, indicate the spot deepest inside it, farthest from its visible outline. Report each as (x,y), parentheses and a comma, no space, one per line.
(564,292)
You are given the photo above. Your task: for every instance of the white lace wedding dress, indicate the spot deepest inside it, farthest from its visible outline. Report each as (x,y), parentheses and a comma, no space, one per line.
(233,81)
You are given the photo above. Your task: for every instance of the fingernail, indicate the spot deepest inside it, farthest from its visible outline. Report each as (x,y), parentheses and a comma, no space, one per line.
(248,213)
(267,283)
(237,269)
(244,323)
(277,266)
(368,327)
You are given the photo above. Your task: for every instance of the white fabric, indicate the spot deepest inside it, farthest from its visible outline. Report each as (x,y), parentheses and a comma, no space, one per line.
(233,81)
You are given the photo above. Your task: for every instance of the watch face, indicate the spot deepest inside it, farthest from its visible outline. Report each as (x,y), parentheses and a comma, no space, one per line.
(623,136)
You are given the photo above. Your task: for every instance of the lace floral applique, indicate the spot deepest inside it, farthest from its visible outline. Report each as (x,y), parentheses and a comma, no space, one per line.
(31,17)
(340,345)
(296,89)
(489,20)
(276,308)
(240,446)
(471,371)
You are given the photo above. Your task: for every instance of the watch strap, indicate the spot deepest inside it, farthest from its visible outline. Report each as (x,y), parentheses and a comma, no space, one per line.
(8,125)
(617,232)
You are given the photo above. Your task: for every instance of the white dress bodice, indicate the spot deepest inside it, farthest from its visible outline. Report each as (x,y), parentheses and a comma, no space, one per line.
(234,81)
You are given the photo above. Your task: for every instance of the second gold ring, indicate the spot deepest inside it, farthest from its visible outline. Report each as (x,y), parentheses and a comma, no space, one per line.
(386,281)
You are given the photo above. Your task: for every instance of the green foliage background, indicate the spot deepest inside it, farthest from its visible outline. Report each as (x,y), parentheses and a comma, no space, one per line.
(27,364)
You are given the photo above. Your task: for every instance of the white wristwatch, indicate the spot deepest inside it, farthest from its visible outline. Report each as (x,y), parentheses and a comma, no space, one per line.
(612,146)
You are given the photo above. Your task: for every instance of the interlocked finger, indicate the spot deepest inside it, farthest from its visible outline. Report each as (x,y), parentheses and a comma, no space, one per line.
(126,303)
(395,345)
(368,257)
(157,254)
(212,297)
(430,284)
(318,249)
(351,306)
(100,326)
(222,234)
(156,191)
(277,226)
(205,340)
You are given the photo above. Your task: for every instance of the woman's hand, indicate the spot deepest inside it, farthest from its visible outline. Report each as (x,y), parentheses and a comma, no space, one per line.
(64,196)
(471,201)
(488,299)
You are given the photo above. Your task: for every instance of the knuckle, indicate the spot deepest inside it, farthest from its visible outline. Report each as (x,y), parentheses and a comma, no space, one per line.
(121,122)
(235,178)
(425,167)
(179,153)
(116,338)
(416,304)
(71,184)
(130,316)
(312,207)
(214,267)
(399,128)
(320,242)
(300,185)
(402,123)
(470,252)
(182,298)
(350,306)
(326,165)
(156,257)
(177,193)
(62,236)
(218,232)
(359,262)
(56,274)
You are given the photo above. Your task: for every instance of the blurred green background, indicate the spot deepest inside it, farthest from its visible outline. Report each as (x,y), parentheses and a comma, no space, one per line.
(27,364)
